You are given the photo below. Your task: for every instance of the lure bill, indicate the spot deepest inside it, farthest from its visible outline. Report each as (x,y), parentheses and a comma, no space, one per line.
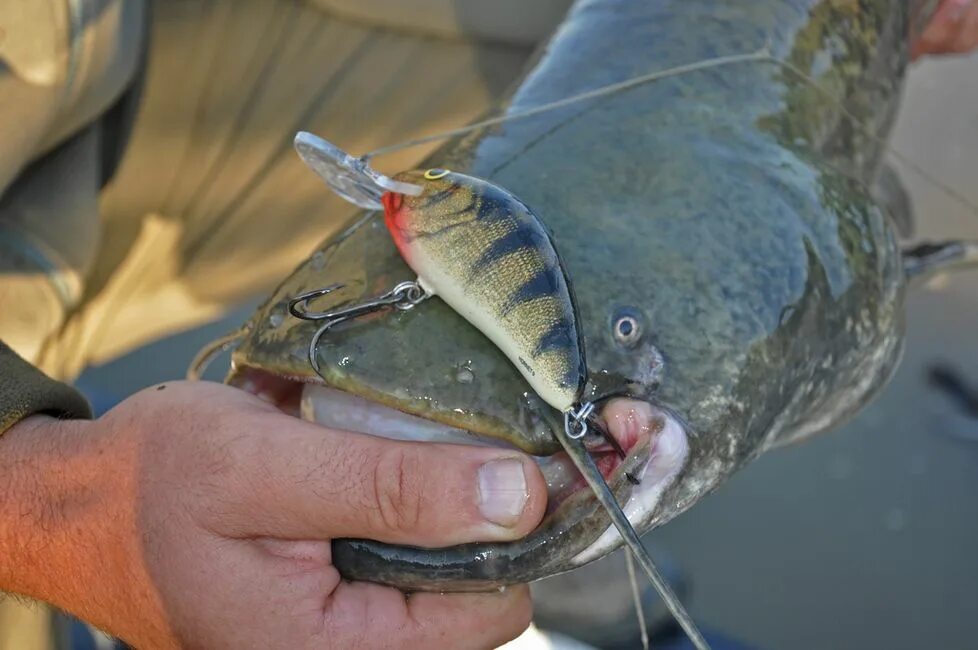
(349,177)
(491,259)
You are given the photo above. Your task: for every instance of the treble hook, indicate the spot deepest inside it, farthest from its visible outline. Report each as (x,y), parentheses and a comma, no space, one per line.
(406,295)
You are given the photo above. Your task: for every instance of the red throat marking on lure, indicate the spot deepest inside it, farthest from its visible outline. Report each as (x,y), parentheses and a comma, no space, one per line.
(392,203)
(394,218)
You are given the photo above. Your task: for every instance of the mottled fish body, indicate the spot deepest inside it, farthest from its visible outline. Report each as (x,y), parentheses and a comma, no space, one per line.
(491,259)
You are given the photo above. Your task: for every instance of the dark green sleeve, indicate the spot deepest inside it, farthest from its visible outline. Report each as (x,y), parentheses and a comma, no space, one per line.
(25,390)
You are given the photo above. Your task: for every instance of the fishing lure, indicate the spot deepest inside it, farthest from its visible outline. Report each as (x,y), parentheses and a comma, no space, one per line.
(481,250)
(488,256)
(491,259)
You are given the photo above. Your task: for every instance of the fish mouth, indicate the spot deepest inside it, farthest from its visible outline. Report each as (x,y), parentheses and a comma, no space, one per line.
(653,441)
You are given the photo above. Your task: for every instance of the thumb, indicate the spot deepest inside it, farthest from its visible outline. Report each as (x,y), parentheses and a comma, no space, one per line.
(320,483)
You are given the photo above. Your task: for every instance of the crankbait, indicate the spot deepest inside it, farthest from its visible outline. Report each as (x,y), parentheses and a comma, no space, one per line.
(490,258)
(482,251)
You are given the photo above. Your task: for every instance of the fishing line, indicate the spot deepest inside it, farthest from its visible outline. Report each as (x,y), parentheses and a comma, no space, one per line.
(601,91)
(762,55)
(890,149)
(637,599)
(585,464)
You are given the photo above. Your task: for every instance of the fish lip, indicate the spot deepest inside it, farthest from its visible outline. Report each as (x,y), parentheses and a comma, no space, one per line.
(285,393)
(669,455)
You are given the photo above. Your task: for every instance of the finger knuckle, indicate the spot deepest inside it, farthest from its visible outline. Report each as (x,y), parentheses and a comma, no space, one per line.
(398,489)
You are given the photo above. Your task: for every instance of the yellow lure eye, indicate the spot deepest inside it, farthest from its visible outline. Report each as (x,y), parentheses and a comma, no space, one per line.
(435,174)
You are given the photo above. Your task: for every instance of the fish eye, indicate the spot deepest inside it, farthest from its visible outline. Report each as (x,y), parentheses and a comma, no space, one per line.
(626,326)
(435,174)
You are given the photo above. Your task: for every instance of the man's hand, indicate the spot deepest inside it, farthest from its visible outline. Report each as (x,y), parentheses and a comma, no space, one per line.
(198,515)
(952,30)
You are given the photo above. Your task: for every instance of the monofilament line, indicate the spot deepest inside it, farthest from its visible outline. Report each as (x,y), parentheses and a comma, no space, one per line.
(760,55)
(637,599)
(585,464)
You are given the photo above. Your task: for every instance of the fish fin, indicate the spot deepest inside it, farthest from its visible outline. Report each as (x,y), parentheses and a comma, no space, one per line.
(950,382)
(923,261)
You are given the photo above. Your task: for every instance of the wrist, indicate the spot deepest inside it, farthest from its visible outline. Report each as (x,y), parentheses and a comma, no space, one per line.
(57,501)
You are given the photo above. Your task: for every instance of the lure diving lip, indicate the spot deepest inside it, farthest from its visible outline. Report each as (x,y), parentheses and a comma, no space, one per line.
(351,178)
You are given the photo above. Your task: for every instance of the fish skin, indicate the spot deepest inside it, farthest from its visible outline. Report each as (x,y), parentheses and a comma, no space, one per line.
(491,259)
(726,208)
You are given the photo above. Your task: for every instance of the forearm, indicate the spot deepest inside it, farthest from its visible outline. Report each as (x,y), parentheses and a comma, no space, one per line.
(70,529)
(45,475)
(67,526)
(51,493)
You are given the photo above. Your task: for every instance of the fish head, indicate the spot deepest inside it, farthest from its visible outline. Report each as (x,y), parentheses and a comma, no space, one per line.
(706,343)
(711,331)
(427,374)
(442,200)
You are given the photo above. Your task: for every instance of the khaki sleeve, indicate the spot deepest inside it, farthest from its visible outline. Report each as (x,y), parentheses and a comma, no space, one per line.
(25,390)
